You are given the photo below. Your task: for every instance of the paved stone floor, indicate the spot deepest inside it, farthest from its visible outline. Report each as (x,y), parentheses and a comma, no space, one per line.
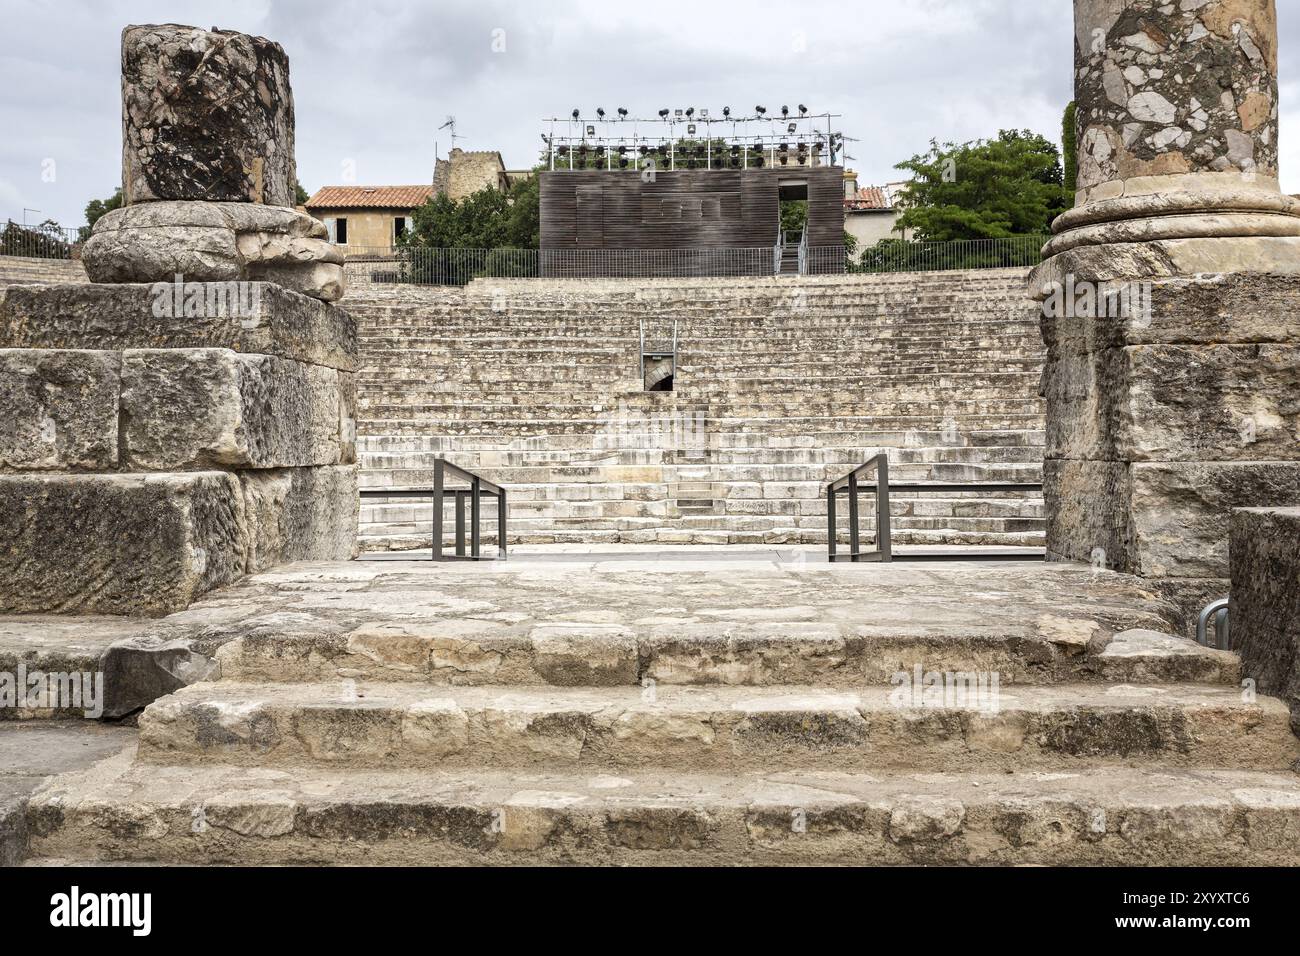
(33,751)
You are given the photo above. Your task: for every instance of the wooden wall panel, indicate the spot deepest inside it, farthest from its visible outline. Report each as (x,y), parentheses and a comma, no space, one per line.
(683,209)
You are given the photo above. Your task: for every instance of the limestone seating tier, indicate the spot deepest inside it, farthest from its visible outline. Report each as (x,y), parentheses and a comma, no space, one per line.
(524,382)
(564,713)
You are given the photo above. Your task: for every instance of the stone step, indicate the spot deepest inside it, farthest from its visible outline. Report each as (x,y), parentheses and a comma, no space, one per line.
(827,440)
(974,726)
(689,529)
(758,646)
(182,814)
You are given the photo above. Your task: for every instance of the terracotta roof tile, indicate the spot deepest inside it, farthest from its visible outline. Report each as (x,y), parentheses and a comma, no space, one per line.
(868,197)
(370,197)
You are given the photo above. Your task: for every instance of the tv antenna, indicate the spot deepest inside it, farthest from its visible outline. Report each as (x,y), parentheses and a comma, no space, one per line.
(451,125)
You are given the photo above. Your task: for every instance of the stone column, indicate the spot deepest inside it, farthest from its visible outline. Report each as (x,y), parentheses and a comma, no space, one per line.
(208,171)
(189,417)
(1177,123)
(1169,295)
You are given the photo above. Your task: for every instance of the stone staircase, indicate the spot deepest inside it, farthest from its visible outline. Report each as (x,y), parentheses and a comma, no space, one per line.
(697,717)
(781,385)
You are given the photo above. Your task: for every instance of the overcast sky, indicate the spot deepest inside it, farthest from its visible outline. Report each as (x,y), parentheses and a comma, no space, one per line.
(373,79)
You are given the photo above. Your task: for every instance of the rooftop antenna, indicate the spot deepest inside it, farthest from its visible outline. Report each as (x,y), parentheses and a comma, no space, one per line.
(450,124)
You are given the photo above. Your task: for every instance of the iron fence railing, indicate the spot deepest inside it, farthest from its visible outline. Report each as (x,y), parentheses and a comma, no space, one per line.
(382,265)
(898,255)
(46,241)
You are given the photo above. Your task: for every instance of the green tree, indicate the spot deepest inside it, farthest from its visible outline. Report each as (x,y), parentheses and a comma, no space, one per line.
(97,207)
(300,195)
(1070,142)
(487,219)
(986,189)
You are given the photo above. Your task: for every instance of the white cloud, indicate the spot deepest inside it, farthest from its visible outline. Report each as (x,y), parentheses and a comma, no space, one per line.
(373,81)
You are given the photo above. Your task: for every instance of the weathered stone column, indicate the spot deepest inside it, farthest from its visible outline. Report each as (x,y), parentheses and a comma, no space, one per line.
(1177,123)
(190,417)
(208,171)
(1170,295)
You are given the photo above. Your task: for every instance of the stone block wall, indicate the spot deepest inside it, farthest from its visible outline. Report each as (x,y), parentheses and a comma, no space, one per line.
(1163,420)
(147,455)
(1265,619)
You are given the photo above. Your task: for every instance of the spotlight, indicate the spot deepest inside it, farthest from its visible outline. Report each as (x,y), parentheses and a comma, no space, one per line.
(600,112)
(785,112)
(803,110)
(622,163)
(690,129)
(791,128)
(690,112)
(784,159)
(622,113)
(758,160)
(643,150)
(677,114)
(663,114)
(622,150)
(563,151)
(726,112)
(591,131)
(760,110)
(576,114)
(704,114)
(735,162)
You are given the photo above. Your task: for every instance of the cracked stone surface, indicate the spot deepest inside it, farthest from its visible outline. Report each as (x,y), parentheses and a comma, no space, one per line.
(207,115)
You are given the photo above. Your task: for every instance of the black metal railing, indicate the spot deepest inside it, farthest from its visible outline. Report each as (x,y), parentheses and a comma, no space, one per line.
(45,241)
(477,488)
(852,483)
(899,255)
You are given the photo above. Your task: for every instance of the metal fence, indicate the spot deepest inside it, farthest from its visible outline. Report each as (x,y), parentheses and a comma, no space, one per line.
(46,241)
(897,255)
(451,267)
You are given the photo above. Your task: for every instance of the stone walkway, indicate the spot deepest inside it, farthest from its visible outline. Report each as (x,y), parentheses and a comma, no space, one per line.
(640,705)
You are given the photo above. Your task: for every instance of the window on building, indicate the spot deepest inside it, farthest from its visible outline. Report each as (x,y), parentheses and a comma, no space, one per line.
(338,230)
(401,224)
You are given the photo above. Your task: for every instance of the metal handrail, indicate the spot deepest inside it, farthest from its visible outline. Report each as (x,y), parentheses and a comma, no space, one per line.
(478,486)
(1219,610)
(883,552)
(850,483)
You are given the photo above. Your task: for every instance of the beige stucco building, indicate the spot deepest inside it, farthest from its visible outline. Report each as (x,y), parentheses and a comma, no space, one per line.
(367,217)
(872,212)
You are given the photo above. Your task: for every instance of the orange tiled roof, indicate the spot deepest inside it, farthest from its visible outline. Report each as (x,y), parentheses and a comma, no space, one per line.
(868,197)
(370,197)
